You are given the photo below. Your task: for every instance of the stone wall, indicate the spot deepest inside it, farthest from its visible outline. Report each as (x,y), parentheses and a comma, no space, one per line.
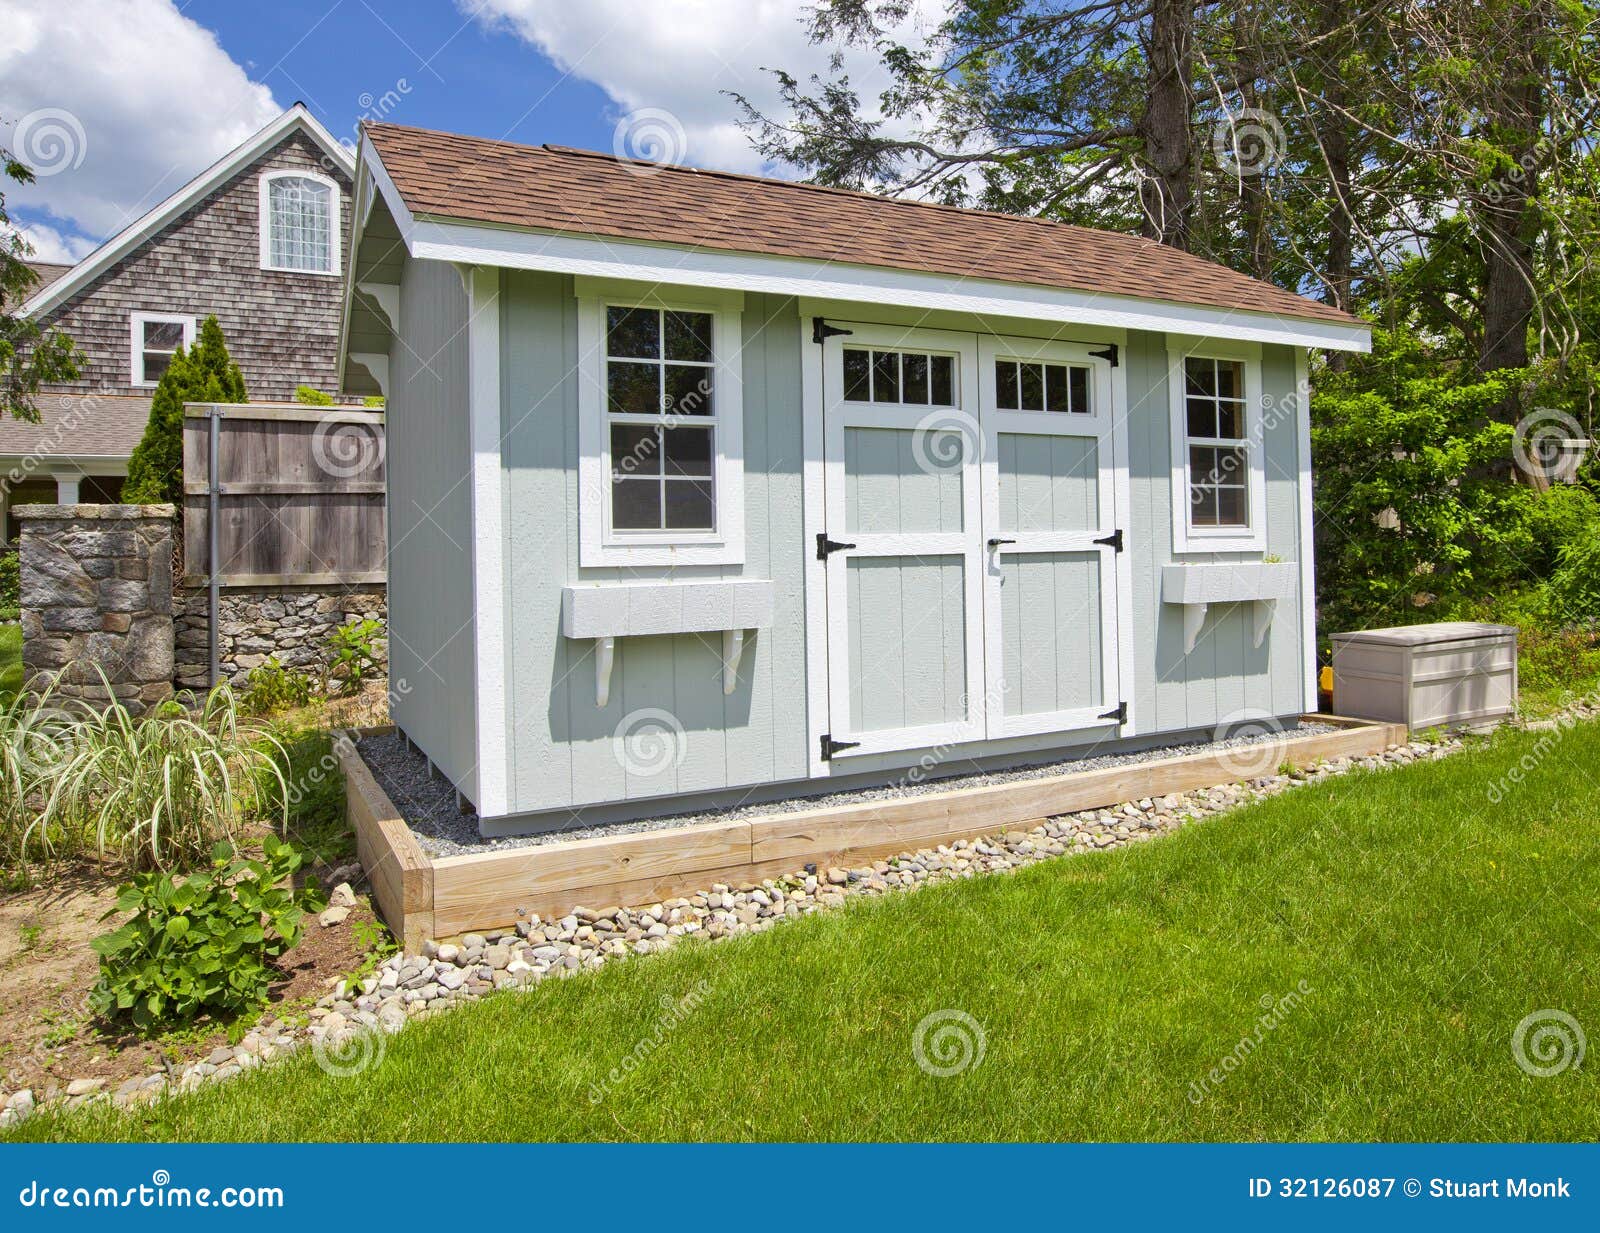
(97,598)
(258,622)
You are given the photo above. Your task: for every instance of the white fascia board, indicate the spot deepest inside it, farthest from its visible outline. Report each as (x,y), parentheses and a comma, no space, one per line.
(609,258)
(152,222)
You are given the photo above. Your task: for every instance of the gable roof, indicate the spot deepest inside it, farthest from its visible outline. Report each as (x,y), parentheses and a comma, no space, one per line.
(58,291)
(443,176)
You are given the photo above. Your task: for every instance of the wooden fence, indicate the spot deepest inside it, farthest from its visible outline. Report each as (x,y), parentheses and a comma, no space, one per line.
(279,494)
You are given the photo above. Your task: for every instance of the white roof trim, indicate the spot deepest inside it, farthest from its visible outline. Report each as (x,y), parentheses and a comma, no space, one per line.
(136,233)
(485,244)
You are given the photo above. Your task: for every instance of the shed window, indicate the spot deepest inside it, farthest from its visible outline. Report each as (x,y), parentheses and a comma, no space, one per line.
(915,378)
(1023,385)
(299,223)
(155,339)
(661,413)
(1216,437)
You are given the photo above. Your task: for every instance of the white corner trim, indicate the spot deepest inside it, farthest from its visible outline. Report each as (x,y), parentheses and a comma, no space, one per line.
(1307,550)
(1187,539)
(264,219)
(152,222)
(488,544)
(136,322)
(598,545)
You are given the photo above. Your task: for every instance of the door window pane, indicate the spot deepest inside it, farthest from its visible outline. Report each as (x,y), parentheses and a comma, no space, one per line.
(857,379)
(885,376)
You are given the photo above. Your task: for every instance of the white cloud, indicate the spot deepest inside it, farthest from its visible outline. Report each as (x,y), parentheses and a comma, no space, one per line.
(116,104)
(678,56)
(49,244)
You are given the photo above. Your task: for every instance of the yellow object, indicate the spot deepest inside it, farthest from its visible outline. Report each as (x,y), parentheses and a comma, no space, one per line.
(1325,680)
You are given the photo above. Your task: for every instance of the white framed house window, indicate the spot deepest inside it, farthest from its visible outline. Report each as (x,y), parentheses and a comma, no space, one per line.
(153,340)
(1218,465)
(661,434)
(299,222)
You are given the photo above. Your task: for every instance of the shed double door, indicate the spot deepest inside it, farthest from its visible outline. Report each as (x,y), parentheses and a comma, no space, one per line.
(969,552)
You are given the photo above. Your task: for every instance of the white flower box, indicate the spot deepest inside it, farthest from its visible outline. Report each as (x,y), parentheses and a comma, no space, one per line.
(1198,585)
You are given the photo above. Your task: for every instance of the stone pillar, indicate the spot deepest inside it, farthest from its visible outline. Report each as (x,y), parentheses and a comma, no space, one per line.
(97,593)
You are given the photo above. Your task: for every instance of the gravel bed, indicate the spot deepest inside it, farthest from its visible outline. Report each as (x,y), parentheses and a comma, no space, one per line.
(428,803)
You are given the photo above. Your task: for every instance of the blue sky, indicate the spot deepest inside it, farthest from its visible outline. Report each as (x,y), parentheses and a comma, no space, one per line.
(117,103)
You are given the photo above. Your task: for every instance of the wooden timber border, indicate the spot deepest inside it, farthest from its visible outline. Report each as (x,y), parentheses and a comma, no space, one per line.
(422,897)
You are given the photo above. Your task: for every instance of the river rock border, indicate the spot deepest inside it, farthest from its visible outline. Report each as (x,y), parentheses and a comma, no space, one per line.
(346,1029)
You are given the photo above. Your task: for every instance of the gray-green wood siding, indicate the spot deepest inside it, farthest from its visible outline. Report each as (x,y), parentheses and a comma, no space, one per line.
(431,670)
(567,752)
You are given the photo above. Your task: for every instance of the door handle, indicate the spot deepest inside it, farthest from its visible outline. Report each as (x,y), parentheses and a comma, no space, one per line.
(995,543)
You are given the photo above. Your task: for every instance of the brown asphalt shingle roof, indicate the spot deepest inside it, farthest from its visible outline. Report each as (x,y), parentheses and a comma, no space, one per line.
(578,192)
(82,425)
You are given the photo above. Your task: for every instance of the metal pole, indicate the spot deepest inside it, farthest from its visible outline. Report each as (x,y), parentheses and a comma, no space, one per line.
(211,534)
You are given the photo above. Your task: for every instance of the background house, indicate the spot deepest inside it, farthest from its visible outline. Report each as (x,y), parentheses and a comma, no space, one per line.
(257,239)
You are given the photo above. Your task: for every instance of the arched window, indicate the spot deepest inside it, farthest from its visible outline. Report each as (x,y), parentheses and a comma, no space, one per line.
(299,222)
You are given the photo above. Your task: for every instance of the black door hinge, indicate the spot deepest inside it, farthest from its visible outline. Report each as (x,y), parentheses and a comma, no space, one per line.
(1114,540)
(1120,714)
(821,331)
(1109,353)
(826,545)
(831,746)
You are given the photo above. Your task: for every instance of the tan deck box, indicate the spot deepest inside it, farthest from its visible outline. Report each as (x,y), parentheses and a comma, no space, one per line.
(1449,674)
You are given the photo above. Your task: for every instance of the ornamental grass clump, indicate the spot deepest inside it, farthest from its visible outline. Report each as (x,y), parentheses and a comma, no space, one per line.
(157,791)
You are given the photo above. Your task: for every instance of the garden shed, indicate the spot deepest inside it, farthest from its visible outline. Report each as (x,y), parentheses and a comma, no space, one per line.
(706,487)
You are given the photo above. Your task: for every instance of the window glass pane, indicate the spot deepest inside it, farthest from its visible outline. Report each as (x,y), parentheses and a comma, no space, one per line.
(689,336)
(634,388)
(689,505)
(1230,420)
(1230,379)
(163,335)
(1202,417)
(1203,507)
(1080,391)
(633,332)
(1202,464)
(1057,394)
(636,504)
(942,381)
(1005,385)
(1231,466)
(299,224)
(688,390)
(857,387)
(156,363)
(885,376)
(1233,507)
(688,451)
(916,379)
(1033,387)
(1201,376)
(635,450)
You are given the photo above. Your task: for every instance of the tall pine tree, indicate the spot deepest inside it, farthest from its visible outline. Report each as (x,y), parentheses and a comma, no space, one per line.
(205,374)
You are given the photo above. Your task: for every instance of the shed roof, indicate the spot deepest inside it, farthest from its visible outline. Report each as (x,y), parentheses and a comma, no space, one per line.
(580,192)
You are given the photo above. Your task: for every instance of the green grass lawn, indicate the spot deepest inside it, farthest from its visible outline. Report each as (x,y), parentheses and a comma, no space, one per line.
(10,660)
(1418,922)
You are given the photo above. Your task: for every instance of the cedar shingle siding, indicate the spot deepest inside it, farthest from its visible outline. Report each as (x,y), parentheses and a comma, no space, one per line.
(282,328)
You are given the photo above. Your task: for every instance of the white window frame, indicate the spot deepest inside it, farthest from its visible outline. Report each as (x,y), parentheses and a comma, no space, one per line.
(1186,537)
(265,200)
(598,543)
(136,347)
